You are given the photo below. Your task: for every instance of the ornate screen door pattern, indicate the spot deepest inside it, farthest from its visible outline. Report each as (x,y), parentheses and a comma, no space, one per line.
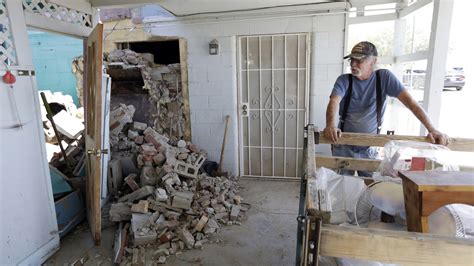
(274,81)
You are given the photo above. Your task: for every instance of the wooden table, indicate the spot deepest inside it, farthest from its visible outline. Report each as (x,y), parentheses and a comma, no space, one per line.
(426,191)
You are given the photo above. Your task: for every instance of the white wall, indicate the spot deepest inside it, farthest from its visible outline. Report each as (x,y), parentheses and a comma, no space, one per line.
(212,78)
(28,226)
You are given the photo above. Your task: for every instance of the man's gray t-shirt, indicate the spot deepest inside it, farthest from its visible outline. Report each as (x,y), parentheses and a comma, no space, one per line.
(361,116)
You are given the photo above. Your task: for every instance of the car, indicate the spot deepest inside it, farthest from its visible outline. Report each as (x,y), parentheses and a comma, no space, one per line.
(455,78)
(415,79)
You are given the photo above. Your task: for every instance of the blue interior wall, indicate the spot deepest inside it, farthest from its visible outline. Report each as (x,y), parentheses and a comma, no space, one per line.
(52,59)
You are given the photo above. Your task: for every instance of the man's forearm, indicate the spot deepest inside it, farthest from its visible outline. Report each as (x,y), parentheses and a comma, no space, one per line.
(331,112)
(423,117)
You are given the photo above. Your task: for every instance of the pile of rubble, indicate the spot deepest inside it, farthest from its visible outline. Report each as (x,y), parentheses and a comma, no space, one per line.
(171,204)
(69,122)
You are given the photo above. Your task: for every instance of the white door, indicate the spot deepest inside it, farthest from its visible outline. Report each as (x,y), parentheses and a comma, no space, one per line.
(273,93)
(28,226)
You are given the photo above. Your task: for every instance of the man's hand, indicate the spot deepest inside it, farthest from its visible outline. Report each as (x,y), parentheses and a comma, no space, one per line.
(437,137)
(332,133)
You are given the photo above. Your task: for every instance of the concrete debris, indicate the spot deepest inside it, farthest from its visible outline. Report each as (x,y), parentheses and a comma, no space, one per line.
(141,193)
(184,207)
(161,195)
(171,203)
(182,200)
(161,260)
(68,125)
(140,207)
(148,176)
(234,213)
(138,126)
(187,238)
(120,212)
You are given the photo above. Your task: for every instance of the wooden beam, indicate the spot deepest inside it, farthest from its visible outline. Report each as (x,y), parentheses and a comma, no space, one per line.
(348,163)
(183,59)
(361,139)
(317,197)
(395,246)
(335,162)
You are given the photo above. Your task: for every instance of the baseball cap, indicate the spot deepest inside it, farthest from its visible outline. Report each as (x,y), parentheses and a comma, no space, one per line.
(362,50)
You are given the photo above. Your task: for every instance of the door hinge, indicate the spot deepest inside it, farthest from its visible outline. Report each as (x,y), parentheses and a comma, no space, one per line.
(97,152)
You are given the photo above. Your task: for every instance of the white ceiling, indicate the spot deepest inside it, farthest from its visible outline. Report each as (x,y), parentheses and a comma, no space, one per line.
(189,7)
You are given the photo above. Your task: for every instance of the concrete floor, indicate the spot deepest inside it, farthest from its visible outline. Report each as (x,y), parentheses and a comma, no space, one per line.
(267,237)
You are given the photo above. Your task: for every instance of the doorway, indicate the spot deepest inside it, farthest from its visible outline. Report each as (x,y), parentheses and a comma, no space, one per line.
(273,75)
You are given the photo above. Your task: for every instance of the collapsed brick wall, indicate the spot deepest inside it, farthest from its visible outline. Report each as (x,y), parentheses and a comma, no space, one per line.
(163,83)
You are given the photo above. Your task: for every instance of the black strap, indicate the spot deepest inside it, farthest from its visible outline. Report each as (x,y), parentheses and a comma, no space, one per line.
(378,96)
(346,102)
(378,92)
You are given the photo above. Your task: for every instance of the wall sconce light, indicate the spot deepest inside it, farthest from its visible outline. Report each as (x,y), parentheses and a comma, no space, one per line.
(214,47)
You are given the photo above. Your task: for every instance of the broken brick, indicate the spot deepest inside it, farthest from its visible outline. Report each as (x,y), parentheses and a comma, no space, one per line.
(130,180)
(202,222)
(141,207)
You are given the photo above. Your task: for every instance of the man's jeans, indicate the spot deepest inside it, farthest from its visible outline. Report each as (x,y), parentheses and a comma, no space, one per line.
(364,152)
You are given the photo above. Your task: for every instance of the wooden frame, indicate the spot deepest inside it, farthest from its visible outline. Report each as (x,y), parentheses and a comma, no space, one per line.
(319,239)
(115,35)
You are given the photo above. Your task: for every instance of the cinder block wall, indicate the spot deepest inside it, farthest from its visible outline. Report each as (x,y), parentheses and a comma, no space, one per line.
(213,78)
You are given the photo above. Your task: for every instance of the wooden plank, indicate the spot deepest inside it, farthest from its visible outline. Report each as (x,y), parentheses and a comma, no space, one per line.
(317,198)
(433,200)
(361,139)
(347,163)
(183,60)
(395,246)
(93,104)
(413,205)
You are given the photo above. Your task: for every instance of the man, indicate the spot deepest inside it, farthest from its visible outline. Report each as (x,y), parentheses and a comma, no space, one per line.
(359,99)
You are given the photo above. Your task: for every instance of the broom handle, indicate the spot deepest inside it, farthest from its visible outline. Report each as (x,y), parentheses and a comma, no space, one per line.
(227,118)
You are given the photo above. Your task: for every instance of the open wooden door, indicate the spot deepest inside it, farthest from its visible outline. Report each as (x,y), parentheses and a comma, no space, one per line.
(93,110)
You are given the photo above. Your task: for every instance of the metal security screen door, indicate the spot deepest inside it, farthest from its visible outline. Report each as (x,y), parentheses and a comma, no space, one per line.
(273,92)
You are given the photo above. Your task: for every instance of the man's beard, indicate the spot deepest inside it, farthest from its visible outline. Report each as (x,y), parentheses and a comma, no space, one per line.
(356,72)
